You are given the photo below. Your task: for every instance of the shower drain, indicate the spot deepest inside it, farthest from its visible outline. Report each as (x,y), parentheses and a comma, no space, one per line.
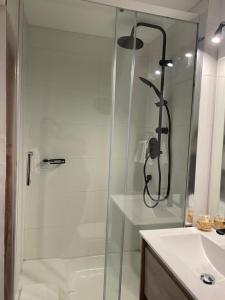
(207,278)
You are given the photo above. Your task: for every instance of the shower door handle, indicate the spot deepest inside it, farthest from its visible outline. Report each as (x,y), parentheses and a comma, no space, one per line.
(29,155)
(54,161)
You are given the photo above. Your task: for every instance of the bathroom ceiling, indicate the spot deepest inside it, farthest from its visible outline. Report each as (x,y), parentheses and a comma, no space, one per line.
(89,18)
(185,5)
(71,15)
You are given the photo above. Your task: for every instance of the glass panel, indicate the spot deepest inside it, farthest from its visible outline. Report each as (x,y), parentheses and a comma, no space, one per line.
(157,137)
(119,154)
(161,82)
(66,114)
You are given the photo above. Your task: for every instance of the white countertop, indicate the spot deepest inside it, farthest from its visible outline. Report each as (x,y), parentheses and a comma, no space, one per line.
(186,266)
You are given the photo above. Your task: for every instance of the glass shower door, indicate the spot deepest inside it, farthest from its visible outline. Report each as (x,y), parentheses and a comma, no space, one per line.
(122,89)
(136,124)
(65,106)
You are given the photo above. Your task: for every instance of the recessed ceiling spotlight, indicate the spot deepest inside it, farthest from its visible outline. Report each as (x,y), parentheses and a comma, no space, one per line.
(170,64)
(188,55)
(216,39)
(157,72)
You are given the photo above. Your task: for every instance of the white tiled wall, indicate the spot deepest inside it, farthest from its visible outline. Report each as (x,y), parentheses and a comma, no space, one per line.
(217,156)
(126,174)
(206,111)
(67,113)
(178,93)
(180,97)
(144,121)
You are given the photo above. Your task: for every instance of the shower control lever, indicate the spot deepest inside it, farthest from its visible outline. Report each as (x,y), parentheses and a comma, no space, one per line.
(54,161)
(163,130)
(161,103)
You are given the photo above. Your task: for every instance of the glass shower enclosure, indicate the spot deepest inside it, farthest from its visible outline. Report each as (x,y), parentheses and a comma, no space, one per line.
(153,80)
(105,122)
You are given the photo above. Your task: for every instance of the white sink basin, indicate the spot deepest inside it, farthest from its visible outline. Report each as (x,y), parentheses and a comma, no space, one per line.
(189,253)
(198,253)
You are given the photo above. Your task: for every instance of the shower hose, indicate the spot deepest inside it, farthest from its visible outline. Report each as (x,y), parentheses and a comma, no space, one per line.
(147,177)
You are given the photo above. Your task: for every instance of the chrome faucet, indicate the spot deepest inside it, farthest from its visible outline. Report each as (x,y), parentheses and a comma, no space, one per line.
(221,231)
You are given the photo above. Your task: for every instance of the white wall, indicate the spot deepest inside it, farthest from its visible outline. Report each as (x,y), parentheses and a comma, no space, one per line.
(218,130)
(67,112)
(178,93)
(144,121)
(180,85)
(206,111)
(126,174)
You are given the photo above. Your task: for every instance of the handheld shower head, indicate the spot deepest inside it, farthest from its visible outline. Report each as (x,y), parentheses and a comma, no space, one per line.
(146,81)
(151,85)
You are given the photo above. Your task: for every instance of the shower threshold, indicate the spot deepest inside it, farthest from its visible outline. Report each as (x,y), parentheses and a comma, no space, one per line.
(72,279)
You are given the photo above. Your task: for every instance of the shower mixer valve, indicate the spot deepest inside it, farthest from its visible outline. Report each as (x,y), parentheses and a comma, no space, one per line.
(153,148)
(163,130)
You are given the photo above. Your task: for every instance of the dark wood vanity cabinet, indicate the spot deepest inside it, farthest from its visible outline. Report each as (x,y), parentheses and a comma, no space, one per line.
(157,281)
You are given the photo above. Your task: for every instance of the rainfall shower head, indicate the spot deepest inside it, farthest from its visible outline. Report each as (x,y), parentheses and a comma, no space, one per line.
(129,42)
(151,85)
